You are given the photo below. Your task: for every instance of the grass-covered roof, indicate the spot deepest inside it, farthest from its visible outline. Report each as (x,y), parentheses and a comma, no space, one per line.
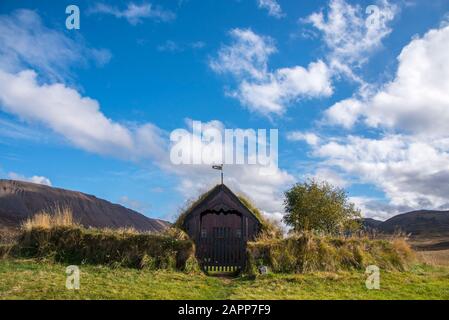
(243,200)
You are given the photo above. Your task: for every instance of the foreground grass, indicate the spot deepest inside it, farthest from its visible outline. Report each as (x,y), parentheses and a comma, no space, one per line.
(28,279)
(421,282)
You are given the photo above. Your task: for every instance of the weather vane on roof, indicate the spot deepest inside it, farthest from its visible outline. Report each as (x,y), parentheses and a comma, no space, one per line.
(219,167)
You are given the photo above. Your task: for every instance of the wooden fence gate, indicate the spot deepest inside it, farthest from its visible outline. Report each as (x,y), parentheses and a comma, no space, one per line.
(223,250)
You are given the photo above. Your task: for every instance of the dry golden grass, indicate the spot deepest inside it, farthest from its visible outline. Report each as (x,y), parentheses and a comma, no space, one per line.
(57,217)
(63,217)
(121,231)
(310,252)
(8,235)
(434,258)
(401,245)
(432,250)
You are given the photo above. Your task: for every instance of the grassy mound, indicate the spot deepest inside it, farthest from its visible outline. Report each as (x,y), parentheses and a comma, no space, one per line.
(309,253)
(58,237)
(77,245)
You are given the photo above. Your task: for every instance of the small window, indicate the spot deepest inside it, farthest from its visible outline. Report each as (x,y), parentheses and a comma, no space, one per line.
(203,233)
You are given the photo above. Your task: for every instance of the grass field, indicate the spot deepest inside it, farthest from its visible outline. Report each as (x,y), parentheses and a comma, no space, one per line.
(432,250)
(28,279)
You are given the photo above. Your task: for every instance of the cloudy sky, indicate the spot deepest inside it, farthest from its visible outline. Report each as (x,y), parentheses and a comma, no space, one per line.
(360,95)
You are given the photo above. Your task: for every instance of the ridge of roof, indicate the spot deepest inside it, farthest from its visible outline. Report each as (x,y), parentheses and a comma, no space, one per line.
(242,200)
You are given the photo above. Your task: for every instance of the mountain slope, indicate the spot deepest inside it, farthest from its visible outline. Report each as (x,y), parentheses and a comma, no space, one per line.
(20,200)
(370,224)
(421,222)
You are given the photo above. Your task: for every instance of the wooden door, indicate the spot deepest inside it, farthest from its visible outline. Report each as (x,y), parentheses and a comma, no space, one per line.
(221,243)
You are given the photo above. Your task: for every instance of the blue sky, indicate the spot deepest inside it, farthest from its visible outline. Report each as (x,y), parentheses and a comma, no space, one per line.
(364,108)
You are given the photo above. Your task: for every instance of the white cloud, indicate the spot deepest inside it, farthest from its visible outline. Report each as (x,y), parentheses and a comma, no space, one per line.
(197,45)
(273,7)
(351,34)
(344,113)
(309,137)
(330,176)
(33,179)
(26,42)
(376,208)
(15,130)
(75,117)
(135,13)
(407,153)
(411,172)
(247,56)
(416,101)
(172,46)
(261,90)
(285,86)
(101,56)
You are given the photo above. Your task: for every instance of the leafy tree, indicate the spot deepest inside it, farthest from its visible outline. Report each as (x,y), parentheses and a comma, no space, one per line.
(319,206)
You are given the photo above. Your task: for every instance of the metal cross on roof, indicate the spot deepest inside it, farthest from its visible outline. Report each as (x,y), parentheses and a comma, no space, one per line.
(219,167)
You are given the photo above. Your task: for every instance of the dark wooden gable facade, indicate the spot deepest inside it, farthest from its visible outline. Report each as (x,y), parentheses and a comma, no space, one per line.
(220,225)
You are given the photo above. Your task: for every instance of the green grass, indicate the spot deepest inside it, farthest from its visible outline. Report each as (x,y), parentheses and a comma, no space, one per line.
(29,279)
(418,283)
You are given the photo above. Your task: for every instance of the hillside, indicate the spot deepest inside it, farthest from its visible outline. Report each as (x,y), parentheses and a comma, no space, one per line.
(20,200)
(370,224)
(421,222)
(417,223)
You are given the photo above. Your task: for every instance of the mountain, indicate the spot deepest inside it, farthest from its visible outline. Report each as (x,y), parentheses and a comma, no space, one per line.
(416,223)
(20,200)
(421,222)
(370,224)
